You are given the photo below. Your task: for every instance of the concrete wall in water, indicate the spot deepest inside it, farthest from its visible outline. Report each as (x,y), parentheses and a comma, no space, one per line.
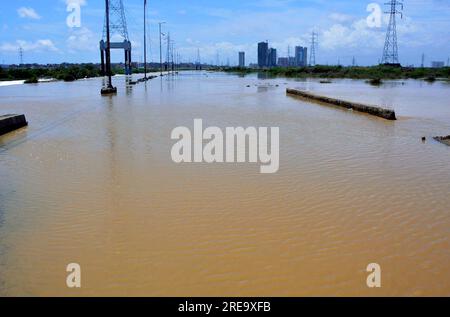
(12,122)
(373,110)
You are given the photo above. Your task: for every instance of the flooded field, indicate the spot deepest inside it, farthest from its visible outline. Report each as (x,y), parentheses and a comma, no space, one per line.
(91,181)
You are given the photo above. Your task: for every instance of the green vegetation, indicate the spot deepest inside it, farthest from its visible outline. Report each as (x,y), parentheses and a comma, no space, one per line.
(32,80)
(375,81)
(374,73)
(61,72)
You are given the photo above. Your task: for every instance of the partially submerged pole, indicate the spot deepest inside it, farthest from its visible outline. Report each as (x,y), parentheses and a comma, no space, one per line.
(160,49)
(387,114)
(109,89)
(145,40)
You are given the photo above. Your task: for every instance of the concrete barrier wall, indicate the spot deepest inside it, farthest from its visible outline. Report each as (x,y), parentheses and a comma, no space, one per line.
(373,110)
(12,122)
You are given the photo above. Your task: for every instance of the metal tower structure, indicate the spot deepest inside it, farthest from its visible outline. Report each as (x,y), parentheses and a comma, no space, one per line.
(198,62)
(117,26)
(21,55)
(390,51)
(314,42)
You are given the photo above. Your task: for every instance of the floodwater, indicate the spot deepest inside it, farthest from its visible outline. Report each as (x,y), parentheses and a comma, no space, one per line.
(91,181)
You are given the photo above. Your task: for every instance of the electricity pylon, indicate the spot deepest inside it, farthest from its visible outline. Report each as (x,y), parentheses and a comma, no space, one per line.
(390,51)
(117,26)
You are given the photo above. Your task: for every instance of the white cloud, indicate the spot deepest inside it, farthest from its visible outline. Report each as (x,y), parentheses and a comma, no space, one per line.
(24,12)
(82,39)
(78,2)
(340,17)
(37,46)
(359,35)
(356,35)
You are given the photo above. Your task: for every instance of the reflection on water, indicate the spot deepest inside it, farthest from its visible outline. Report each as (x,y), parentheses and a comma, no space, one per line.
(91,181)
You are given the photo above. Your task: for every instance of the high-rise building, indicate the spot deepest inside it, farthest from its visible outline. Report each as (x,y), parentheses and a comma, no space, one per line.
(437,64)
(292,61)
(241,59)
(263,52)
(283,61)
(272,57)
(301,56)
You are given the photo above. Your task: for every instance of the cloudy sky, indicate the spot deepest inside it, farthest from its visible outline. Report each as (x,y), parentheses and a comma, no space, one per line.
(222,28)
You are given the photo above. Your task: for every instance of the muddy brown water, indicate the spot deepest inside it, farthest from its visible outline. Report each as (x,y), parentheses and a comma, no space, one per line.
(91,181)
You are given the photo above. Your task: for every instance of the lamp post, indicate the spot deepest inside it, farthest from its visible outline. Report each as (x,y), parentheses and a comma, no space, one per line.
(160,47)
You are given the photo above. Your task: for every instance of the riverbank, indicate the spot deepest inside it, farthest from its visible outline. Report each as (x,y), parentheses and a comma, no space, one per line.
(61,72)
(370,73)
(67,73)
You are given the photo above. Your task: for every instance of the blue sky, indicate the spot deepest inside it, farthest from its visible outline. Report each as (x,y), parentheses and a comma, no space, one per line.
(225,27)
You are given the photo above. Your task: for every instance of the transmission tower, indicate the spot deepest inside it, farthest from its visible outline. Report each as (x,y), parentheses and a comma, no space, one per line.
(21,55)
(423,61)
(198,63)
(117,26)
(314,42)
(390,52)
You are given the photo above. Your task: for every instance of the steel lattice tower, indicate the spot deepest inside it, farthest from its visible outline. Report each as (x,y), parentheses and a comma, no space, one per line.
(21,55)
(390,52)
(117,20)
(314,42)
(117,26)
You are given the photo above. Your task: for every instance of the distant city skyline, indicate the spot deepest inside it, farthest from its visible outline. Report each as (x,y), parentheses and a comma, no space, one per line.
(225,28)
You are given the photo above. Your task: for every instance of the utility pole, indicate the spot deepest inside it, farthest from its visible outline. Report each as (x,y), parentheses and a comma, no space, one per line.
(312,56)
(145,40)
(172,56)
(160,48)
(109,89)
(168,53)
(390,51)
